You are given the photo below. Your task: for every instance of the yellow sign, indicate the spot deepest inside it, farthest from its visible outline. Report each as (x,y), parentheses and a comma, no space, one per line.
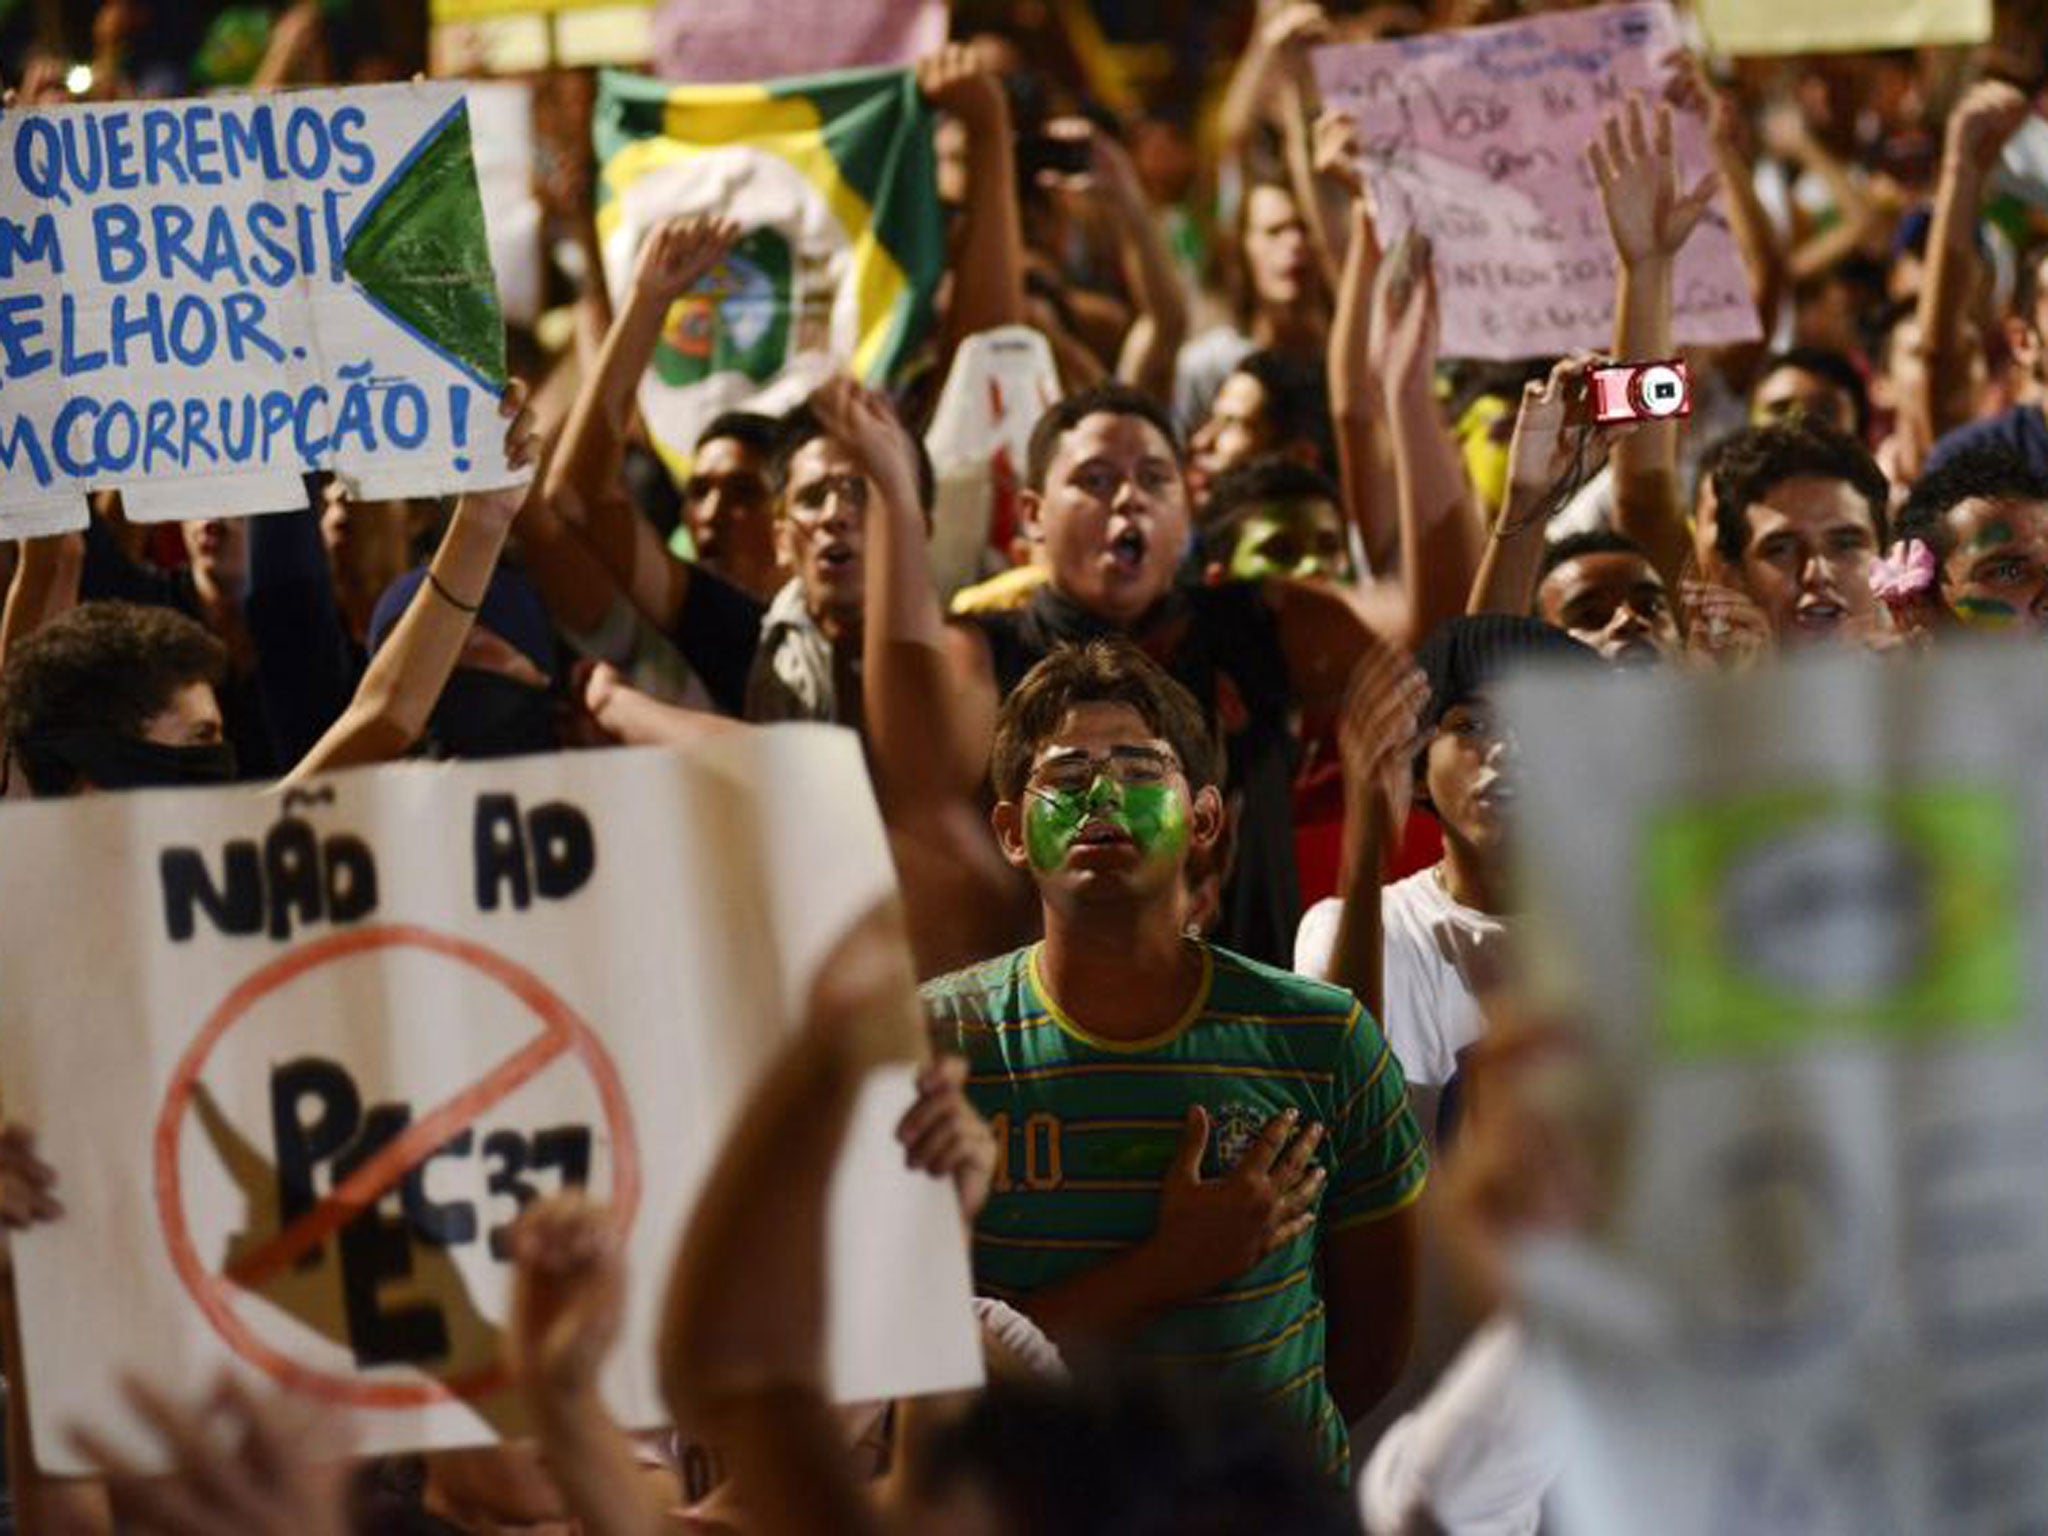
(1841,26)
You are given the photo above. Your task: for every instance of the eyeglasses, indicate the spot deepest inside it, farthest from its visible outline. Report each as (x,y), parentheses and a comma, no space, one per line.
(1132,767)
(811,505)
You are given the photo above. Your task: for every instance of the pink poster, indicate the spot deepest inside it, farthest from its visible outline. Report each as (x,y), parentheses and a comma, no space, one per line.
(1479,137)
(712,42)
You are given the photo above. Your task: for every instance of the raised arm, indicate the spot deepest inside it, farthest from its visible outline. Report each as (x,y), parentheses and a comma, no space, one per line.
(1357,409)
(1279,44)
(582,479)
(988,259)
(405,678)
(1649,218)
(1552,429)
(568,1307)
(45,586)
(1152,344)
(1989,113)
(1763,258)
(742,1345)
(1377,738)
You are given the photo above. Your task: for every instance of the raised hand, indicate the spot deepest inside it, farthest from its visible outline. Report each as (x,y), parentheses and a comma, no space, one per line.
(1110,172)
(1637,172)
(1212,1230)
(1335,150)
(957,79)
(863,422)
(1377,738)
(27,1183)
(568,1298)
(943,1135)
(678,254)
(522,450)
(1989,113)
(1294,28)
(1405,319)
(1689,90)
(1723,627)
(239,1467)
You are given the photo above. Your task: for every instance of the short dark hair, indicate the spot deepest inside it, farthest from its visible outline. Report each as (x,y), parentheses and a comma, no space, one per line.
(1756,460)
(1112,671)
(1297,399)
(1134,1453)
(1987,471)
(1594,541)
(803,425)
(1835,367)
(1243,489)
(104,667)
(1106,399)
(750,429)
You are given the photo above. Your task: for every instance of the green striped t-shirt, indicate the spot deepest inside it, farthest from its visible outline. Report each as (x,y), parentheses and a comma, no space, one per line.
(1086,1128)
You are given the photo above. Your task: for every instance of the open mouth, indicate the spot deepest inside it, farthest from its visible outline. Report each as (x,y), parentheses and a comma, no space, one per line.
(1819,616)
(1127,550)
(1497,796)
(836,557)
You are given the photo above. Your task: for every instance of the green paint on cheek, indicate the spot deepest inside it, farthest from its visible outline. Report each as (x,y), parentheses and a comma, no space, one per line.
(1985,612)
(1151,813)
(1156,819)
(1992,535)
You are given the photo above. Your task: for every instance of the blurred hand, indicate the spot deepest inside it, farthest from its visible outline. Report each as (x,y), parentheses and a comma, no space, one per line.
(865,424)
(1637,173)
(1294,28)
(679,254)
(568,1298)
(1406,322)
(1723,627)
(239,1467)
(1377,737)
(957,79)
(1336,151)
(1989,113)
(1690,91)
(27,1183)
(1111,172)
(944,1136)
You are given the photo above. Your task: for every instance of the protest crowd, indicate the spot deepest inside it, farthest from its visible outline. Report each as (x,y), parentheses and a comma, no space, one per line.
(1177,692)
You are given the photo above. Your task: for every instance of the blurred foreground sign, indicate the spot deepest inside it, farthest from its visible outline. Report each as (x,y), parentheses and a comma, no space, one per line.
(1479,136)
(1801,917)
(302,1062)
(1841,26)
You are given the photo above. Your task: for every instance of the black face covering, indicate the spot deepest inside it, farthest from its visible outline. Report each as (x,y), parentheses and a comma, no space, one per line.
(112,761)
(483,714)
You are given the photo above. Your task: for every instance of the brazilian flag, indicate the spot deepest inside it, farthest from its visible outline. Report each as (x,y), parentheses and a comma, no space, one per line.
(831,179)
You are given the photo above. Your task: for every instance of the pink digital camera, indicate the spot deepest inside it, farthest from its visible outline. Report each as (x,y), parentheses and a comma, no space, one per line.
(1641,392)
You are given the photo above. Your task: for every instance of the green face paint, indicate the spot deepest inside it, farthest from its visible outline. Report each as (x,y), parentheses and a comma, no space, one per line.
(1152,814)
(1302,539)
(1992,535)
(1984,613)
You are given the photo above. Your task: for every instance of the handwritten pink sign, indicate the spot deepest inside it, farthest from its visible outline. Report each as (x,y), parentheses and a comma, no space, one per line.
(1479,136)
(711,42)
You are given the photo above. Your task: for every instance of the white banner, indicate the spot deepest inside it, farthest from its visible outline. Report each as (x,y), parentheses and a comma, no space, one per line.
(300,1063)
(202,300)
(1801,916)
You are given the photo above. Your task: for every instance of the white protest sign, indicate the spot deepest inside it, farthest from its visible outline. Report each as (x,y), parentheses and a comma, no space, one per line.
(300,1063)
(1001,382)
(201,300)
(1801,917)
(1479,137)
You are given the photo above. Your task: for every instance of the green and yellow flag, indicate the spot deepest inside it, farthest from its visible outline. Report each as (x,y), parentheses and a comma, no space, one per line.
(830,177)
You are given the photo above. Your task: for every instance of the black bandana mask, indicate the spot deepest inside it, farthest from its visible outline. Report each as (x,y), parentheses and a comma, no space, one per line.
(109,760)
(483,714)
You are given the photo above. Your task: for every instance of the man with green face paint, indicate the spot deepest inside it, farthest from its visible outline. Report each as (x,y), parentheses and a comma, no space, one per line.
(1275,517)
(1983,515)
(1202,1160)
